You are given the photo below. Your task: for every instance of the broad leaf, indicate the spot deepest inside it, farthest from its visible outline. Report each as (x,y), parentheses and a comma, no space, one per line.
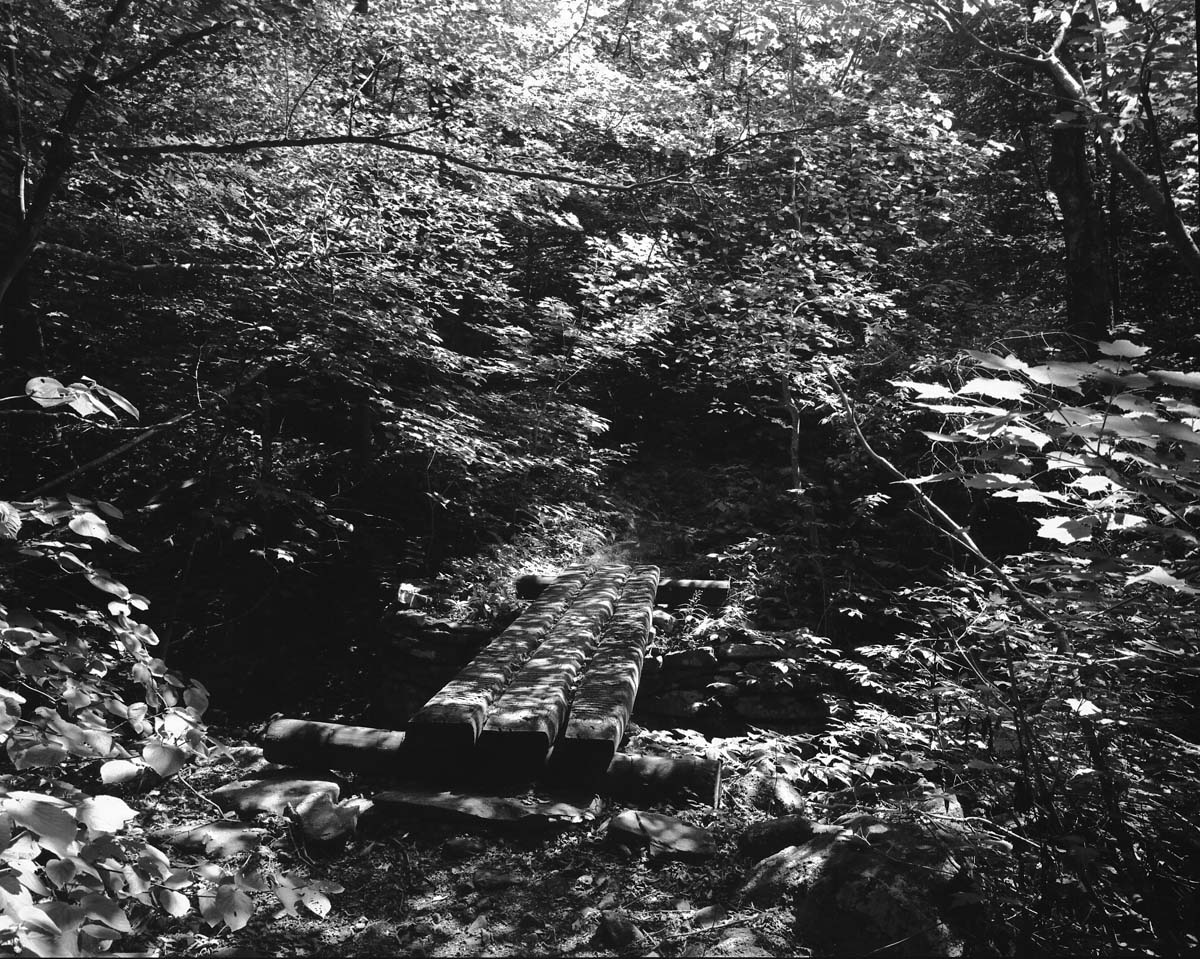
(164,759)
(995,388)
(1124,349)
(46,818)
(104,814)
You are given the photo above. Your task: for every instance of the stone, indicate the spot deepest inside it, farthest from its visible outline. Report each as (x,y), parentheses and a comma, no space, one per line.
(324,821)
(273,795)
(618,930)
(763,839)
(678,704)
(863,885)
(858,898)
(737,941)
(778,875)
(664,623)
(380,938)
(463,847)
(708,916)
(405,801)
(665,836)
(781,708)
(787,798)
(220,839)
(722,692)
(493,879)
(700,659)
(746,652)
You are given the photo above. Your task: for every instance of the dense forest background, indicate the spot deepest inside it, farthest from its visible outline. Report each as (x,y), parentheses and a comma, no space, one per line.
(885,310)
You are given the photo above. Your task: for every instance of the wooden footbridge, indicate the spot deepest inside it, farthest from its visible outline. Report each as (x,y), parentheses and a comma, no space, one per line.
(551,694)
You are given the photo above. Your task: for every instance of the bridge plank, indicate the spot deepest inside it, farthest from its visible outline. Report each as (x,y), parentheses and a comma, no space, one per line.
(455,716)
(604,699)
(526,720)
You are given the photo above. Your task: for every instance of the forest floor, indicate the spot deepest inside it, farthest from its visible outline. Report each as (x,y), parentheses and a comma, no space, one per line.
(425,887)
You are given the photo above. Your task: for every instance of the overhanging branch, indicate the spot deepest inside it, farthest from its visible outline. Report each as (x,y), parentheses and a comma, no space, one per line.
(386,143)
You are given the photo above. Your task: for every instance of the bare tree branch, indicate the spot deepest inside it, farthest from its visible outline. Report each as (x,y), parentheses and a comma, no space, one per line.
(178,45)
(142,437)
(244,146)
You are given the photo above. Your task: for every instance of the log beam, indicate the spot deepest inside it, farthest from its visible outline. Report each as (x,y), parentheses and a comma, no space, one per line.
(526,720)
(455,716)
(711,594)
(604,700)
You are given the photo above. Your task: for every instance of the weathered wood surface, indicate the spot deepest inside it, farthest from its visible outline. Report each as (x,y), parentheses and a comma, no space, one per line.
(315,745)
(527,718)
(455,716)
(647,778)
(418,800)
(605,696)
(712,594)
(298,742)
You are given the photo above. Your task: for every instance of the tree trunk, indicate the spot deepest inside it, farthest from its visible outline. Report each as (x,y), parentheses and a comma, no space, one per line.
(20,336)
(1089,290)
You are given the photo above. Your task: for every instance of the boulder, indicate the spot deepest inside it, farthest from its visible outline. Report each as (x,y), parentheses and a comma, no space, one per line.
(699,660)
(746,652)
(722,692)
(463,847)
(220,839)
(618,930)
(781,707)
(763,839)
(868,886)
(665,836)
(737,942)
(777,876)
(664,623)
(677,704)
(272,795)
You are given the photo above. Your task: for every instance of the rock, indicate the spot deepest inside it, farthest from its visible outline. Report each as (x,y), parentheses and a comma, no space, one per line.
(324,821)
(722,692)
(664,622)
(863,897)
(414,799)
(701,659)
(766,838)
(778,875)
(219,839)
(677,704)
(737,941)
(618,930)
(708,916)
(379,938)
(665,836)
(273,795)
(746,652)
(781,708)
(463,847)
(493,879)
(787,798)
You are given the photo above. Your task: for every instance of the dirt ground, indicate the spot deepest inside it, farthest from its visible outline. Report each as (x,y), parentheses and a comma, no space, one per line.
(421,885)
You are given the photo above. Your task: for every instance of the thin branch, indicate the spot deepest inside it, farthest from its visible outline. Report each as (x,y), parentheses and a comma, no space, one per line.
(948,526)
(244,146)
(956,25)
(178,45)
(142,437)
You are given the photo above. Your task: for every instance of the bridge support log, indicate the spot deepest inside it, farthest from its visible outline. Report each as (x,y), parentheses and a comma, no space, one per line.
(454,718)
(711,594)
(313,745)
(526,719)
(604,700)
(298,742)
